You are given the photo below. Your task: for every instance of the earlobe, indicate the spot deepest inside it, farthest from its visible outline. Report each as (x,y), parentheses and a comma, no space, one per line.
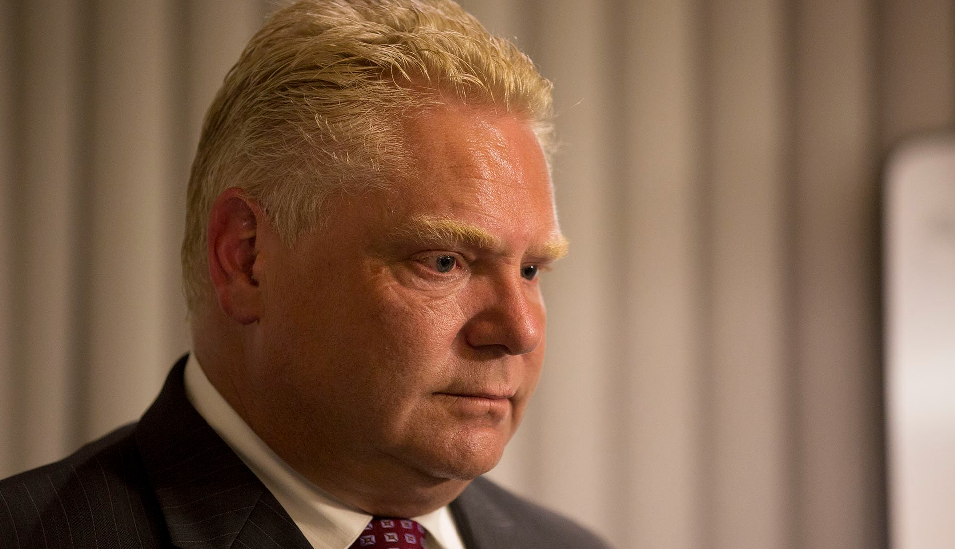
(232,250)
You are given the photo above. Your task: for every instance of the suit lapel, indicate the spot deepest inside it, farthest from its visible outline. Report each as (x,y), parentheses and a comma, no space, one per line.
(269,526)
(207,495)
(481,522)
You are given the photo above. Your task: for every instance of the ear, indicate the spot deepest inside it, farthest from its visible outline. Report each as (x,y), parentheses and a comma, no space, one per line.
(232,250)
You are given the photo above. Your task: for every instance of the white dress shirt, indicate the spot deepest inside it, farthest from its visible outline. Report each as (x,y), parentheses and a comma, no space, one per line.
(325,521)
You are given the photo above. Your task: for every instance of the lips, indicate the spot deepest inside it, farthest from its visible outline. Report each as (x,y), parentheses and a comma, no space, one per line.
(478,404)
(488,395)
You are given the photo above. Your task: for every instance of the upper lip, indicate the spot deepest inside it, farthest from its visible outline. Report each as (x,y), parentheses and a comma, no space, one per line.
(480,394)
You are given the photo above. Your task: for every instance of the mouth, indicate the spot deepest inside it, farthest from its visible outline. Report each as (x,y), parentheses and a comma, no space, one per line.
(478,403)
(487,395)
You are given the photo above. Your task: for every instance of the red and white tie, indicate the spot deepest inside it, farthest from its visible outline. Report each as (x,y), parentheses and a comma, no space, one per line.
(392,533)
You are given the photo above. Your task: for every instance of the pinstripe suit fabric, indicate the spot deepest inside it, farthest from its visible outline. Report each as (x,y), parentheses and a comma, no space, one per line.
(170,481)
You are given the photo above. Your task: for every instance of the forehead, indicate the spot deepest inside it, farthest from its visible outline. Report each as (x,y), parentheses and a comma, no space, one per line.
(479,166)
(454,131)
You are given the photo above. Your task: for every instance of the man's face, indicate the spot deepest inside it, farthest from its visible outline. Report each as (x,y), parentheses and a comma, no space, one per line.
(411,330)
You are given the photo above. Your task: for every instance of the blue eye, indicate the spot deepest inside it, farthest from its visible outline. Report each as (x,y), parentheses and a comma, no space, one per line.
(445,263)
(529,272)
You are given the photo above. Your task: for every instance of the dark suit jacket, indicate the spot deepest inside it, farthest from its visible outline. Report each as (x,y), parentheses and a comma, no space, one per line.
(169,480)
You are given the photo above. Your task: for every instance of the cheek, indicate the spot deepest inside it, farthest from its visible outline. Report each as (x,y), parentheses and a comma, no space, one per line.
(417,319)
(531,369)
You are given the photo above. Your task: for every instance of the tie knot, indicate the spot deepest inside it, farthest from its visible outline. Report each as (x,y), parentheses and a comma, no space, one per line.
(392,533)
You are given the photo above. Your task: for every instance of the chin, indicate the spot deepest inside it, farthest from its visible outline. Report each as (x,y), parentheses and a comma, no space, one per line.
(463,460)
(461,471)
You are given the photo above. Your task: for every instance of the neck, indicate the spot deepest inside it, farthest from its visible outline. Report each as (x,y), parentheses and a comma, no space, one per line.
(378,485)
(397,495)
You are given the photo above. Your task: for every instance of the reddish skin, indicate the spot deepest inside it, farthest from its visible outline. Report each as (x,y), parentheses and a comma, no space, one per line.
(384,381)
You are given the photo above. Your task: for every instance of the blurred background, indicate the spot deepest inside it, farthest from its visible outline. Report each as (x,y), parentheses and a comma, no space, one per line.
(716,367)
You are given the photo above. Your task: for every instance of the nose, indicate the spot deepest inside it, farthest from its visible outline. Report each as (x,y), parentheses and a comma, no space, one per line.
(511,317)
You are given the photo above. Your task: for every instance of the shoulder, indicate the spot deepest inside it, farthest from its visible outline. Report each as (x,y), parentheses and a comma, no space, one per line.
(100,491)
(532,525)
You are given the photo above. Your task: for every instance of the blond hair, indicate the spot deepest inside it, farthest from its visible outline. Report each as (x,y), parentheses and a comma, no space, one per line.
(317,99)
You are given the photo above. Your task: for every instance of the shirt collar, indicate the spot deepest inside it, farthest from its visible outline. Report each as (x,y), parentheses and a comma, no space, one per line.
(325,521)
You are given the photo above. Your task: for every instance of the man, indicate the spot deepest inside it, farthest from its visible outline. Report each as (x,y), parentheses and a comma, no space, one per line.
(368,214)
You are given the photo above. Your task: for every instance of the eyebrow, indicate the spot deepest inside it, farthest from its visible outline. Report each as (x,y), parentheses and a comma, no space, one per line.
(459,233)
(555,249)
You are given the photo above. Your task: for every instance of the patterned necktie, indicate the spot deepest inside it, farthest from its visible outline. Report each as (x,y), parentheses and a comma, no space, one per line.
(392,533)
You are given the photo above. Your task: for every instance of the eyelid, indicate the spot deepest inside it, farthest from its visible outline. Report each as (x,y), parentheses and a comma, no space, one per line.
(543,265)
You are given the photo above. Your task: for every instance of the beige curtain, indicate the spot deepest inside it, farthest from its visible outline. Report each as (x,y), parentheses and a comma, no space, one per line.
(714,369)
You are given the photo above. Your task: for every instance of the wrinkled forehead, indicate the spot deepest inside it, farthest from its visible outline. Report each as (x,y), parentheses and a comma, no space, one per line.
(475,176)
